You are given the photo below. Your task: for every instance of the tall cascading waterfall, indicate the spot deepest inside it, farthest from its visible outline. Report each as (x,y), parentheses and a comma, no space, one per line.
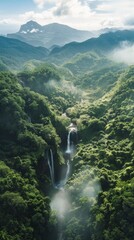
(68,143)
(60,202)
(67,172)
(63,182)
(50,161)
(69,152)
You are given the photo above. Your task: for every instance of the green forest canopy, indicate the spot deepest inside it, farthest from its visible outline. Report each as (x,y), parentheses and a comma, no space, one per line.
(31,121)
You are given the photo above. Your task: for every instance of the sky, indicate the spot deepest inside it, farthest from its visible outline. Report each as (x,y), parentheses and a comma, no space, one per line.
(80,14)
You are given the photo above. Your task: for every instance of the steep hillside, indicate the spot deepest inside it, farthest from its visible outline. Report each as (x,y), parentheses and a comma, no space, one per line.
(88,63)
(13,53)
(101,187)
(26,133)
(50,81)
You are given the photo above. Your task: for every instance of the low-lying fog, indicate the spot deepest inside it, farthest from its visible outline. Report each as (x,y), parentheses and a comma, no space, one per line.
(123,54)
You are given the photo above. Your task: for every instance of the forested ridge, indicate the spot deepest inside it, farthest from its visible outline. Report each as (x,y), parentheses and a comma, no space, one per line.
(36,107)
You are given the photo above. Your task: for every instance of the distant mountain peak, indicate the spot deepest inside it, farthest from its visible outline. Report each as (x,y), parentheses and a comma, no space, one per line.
(30,27)
(50,34)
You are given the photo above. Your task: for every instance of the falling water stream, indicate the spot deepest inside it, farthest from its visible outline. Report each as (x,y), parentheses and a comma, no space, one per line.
(68,143)
(60,202)
(50,159)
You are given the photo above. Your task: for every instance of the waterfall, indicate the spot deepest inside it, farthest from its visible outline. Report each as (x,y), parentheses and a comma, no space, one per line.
(70,152)
(68,171)
(61,202)
(50,161)
(70,146)
(63,182)
(68,143)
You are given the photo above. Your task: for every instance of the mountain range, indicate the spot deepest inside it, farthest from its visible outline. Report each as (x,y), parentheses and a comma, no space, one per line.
(103,44)
(15,52)
(49,35)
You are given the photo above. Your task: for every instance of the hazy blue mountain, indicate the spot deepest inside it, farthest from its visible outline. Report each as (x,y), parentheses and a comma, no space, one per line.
(30,27)
(103,44)
(14,52)
(49,35)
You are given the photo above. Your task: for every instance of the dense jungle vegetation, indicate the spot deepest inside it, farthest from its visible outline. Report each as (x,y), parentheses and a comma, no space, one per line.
(36,107)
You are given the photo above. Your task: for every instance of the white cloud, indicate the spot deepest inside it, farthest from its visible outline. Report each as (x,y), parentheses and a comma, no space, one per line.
(129,21)
(43,3)
(75,8)
(7,21)
(70,12)
(88,14)
(114,12)
(7,25)
(40,3)
(119,8)
(124,54)
(81,14)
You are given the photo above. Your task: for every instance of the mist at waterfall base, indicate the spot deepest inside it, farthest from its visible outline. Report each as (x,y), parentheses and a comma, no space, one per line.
(83,188)
(85,184)
(60,203)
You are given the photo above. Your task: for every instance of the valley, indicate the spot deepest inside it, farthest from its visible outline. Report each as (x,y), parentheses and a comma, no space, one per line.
(66,141)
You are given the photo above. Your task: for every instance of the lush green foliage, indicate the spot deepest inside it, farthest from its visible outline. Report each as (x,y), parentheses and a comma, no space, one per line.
(88,62)
(13,53)
(35,109)
(26,133)
(48,80)
(103,166)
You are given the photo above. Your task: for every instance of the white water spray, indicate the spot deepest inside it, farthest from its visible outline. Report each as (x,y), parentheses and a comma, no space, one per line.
(73,129)
(68,143)
(60,204)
